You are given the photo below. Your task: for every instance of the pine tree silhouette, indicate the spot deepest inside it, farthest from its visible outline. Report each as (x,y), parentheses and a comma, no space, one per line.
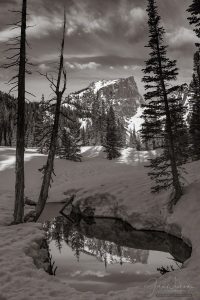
(112,142)
(71,142)
(194,122)
(163,114)
(194,19)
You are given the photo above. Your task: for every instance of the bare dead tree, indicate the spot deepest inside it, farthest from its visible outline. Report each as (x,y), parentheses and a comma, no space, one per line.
(55,85)
(17,82)
(18,59)
(19,183)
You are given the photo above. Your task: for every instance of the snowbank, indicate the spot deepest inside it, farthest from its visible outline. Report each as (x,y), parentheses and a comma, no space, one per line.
(120,188)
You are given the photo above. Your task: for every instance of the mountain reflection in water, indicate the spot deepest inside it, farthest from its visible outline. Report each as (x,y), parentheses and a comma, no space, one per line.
(110,254)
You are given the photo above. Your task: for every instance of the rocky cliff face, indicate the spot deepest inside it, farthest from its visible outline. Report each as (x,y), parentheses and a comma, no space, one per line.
(122,93)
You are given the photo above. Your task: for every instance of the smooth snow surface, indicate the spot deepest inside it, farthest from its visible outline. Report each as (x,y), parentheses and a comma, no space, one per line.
(118,188)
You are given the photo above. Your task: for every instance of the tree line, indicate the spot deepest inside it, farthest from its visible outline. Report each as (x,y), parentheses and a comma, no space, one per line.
(164,122)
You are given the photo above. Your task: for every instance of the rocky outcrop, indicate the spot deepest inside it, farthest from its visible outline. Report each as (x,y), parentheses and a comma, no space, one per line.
(122,93)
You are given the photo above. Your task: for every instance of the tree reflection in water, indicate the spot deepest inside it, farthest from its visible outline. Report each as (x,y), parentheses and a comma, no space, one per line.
(61,230)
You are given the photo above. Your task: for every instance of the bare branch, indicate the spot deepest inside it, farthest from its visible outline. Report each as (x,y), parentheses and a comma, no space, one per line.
(11,83)
(7,66)
(44,135)
(14,27)
(51,80)
(27,43)
(30,93)
(14,24)
(12,48)
(13,89)
(30,26)
(67,117)
(15,11)
(14,77)
(13,56)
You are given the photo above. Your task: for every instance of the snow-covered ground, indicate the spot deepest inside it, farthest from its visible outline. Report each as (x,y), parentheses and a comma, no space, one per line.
(118,188)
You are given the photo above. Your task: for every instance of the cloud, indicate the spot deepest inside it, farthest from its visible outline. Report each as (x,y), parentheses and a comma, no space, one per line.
(79,18)
(102,37)
(132,67)
(180,37)
(43,67)
(134,20)
(90,65)
(42,25)
(7,34)
(138,14)
(39,26)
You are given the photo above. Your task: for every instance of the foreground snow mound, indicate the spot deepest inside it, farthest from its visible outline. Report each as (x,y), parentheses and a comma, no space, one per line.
(116,188)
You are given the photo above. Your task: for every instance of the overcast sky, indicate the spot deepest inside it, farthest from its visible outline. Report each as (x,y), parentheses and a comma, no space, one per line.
(105,39)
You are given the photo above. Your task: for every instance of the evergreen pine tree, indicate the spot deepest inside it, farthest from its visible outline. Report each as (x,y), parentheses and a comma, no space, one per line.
(43,127)
(88,133)
(121,132)
(162,108)
(83,137)
(32,111)
(70,142)
(103,123)
(179,130)
(194,121)
(152,125)
(132,139)
(96,119)
(194,19)
(112,143)
(138,143)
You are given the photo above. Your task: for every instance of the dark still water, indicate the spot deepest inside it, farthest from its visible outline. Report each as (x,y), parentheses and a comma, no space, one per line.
(110,255)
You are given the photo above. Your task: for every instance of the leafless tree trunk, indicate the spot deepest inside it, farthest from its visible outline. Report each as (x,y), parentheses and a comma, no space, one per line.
(49,167)
(19,184)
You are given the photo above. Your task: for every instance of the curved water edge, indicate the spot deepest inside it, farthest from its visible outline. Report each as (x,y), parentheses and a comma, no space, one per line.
(115,230)
(52,210)
(132,238)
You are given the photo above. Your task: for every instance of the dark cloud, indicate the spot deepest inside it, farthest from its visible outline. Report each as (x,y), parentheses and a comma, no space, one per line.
(105,38)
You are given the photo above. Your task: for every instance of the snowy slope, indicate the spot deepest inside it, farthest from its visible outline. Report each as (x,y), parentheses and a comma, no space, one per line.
(119,188)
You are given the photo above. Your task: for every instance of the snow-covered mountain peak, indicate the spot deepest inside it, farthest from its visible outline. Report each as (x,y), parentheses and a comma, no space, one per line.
(122,93)
(97,85)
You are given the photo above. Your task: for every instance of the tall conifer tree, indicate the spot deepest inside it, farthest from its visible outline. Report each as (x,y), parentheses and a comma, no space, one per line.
(44,125)
(194,121)
(194,18)
(162,108)
(112,142)
(71,142)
